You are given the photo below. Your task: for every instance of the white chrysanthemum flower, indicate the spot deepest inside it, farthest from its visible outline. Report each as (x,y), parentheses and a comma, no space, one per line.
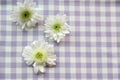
(39,54)
(56,27)
(25,15)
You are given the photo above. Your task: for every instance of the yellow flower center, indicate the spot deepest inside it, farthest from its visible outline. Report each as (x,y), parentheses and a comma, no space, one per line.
(25,15)
(56,27)
(39,56)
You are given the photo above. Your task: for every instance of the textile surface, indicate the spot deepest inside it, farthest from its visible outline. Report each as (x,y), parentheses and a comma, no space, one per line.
(90,52)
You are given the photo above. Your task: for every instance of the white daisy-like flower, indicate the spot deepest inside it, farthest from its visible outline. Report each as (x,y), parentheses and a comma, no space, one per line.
(25,15)
(56,27)
(39,54)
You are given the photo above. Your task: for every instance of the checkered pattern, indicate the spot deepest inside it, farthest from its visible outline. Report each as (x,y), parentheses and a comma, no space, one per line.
(90,52)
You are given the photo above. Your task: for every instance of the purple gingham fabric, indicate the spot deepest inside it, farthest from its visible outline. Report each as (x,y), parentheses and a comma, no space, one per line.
(90,52)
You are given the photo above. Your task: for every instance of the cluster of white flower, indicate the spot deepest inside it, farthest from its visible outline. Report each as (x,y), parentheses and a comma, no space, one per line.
(40,54)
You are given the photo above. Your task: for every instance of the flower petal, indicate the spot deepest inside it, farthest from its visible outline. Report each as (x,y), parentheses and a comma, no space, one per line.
(35,68)
(27,54)
(27,51)
(50,50)
(38,68)
(53,57)
(23,26)
(51,60)
(58,40)
(41,68)
(36,17)
(29,62)
(29,24)
(35,45)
